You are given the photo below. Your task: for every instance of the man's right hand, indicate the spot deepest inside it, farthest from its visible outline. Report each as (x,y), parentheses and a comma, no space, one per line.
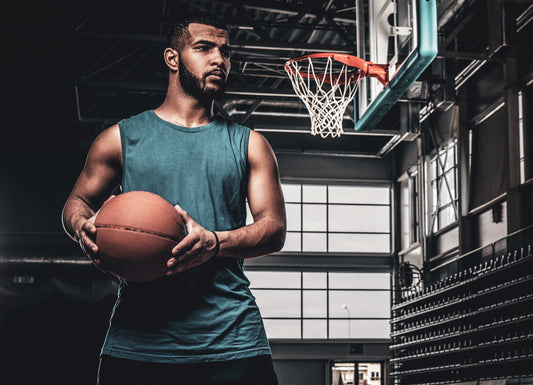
(86,238)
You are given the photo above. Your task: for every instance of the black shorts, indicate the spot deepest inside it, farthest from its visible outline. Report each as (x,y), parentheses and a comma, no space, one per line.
(247,371)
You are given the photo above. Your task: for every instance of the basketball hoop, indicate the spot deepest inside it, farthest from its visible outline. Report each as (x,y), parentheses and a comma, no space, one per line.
(326,83)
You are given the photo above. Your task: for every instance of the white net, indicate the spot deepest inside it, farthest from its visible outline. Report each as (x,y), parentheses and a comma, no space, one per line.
(326,87)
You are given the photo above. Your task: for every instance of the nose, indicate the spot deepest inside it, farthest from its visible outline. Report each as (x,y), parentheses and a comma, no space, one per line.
(217,57)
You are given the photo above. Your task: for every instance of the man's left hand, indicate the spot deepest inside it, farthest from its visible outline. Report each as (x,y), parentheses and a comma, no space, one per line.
(196,248)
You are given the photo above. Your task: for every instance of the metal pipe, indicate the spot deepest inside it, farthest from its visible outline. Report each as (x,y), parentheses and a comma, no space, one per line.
(450,13)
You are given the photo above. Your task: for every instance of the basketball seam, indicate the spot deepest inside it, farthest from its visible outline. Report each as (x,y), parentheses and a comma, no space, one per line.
(124,228)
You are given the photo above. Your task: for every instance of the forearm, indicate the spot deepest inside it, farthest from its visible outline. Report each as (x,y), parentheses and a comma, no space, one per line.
(75,212)
(262,237)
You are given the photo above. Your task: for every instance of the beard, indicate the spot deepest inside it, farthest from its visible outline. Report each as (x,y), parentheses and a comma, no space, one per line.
(196,87)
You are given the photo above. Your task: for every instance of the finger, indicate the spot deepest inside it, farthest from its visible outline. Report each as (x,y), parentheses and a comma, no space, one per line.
(193,253)
(186,244)
(185,265)
(179,251)
(89,247)
(180,268)
(89,227)
(189,222)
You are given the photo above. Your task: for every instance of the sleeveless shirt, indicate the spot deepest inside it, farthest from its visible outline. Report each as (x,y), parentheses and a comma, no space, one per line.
(206,313)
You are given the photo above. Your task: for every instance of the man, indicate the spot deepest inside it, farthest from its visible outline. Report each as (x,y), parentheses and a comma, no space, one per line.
(199,324)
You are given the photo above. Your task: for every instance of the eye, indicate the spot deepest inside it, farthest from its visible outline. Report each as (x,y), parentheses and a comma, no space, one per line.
(225,52)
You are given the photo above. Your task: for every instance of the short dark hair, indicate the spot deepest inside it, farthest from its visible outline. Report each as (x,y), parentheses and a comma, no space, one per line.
(179,27)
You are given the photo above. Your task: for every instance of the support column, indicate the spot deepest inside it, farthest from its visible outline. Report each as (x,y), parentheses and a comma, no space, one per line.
(515,209)
(466,231)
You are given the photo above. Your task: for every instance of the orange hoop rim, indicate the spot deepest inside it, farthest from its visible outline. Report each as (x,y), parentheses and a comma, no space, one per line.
(364,68)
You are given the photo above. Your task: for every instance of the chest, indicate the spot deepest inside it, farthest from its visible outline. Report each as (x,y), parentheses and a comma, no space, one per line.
(177,165)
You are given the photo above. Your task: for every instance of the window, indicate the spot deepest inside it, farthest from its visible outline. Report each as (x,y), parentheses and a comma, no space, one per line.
(443,185)
(414,211)
(322,305)
(521,136)
(368,373)
(337,218)
(409,209)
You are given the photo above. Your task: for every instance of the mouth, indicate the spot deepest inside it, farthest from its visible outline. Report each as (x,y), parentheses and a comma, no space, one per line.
(216,75)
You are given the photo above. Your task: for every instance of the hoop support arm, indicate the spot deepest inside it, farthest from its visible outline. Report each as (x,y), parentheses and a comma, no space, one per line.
(378,71)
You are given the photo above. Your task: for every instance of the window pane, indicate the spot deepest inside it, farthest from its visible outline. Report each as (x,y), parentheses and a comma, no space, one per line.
(450,161)
(434,169)
(274,279)
(434,196)
(315,329)
(291,192)
(314,193)
(360,304)
(439,163)
(450,177)
(282,328)
(445,197)
(278,303)
(359,329)
(292,242)
(359,218)
(315,242)
(315,280)
(314,218)
(359,243)
(359,281)
(358,194)
(315,304)
(447,216)
(294,218)
(405,211)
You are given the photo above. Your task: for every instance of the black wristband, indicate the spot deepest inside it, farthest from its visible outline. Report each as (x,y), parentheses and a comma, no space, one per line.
(217,246)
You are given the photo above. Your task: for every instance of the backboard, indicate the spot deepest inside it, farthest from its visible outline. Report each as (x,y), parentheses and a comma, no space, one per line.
(400,33)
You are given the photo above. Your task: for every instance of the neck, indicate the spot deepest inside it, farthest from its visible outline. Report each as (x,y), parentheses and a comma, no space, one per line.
(183,109)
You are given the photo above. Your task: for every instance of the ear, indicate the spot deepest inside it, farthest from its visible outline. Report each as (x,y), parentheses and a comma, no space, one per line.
(171,59)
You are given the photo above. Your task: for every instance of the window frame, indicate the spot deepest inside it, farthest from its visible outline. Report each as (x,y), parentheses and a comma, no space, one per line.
(328,232)
(329,289)
(439,186)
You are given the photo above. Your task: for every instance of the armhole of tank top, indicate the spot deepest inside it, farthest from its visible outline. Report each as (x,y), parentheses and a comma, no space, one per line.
(246,147)
(123,149)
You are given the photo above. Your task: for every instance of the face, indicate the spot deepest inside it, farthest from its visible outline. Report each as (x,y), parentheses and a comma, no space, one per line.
(204,62)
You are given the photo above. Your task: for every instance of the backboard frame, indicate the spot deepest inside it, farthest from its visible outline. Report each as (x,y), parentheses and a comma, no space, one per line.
(424,16)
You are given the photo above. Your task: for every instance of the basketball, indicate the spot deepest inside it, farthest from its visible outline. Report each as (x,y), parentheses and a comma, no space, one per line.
(135,234)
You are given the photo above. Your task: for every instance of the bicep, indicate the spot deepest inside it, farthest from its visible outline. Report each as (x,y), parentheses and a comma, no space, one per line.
(265,196)
(102,171)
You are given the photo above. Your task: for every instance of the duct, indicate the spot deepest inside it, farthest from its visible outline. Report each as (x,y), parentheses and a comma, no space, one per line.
(450,12)
(267,103)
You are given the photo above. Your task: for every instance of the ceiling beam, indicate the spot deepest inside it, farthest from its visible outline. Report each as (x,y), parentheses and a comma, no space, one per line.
(235,44)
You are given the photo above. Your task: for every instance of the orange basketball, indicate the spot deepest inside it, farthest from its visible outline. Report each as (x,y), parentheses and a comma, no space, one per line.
(135,234)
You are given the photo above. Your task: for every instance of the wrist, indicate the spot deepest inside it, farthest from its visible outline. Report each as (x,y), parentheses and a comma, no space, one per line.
(217,245)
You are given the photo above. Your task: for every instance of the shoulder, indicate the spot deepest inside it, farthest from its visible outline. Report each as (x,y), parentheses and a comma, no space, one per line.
(257,140)
(136,122)
(259,149)
(236,128)
(140,117)
(107,145)
(108,137)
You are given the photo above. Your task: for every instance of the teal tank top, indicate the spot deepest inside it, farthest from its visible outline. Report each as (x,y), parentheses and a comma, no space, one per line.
(206,313)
